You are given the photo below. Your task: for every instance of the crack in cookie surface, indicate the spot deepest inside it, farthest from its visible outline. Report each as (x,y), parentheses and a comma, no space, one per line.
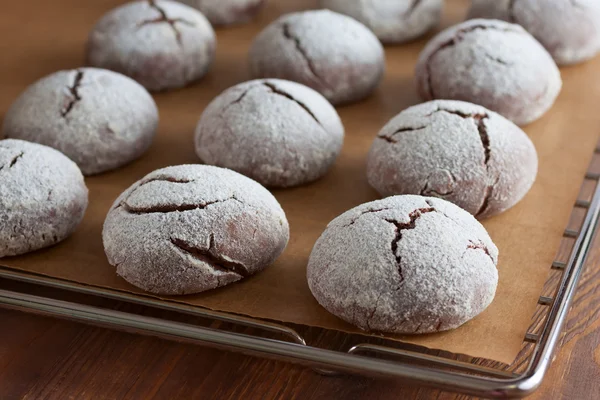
(239,98)
(479,246)
(472,244)
(160,178)
(413,6)
(74,94)
(13,161)
(479,119)
(400,226)
(456,112)
(163,17)
(169,208)
(288,35)
(370,211)
(483,135)
(496,59)
(165,178)
(485,142)
(211,256)
(458,37)
(427,191)
(391,138)
(276,90)
(487,195)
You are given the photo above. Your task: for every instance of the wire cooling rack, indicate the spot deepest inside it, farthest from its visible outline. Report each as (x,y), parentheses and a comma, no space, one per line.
(353,353)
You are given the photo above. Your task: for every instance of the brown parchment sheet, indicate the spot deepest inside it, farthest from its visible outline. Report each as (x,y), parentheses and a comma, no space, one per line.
(528,235)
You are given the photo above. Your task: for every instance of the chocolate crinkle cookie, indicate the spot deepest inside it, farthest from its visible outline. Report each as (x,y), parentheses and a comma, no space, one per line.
(227,12)
(332,53)
(393,21)
(191,228)
(404,264)
(457,151)
(568,29)
(161,44)
(492,63)
(98,118)
(42,197)
(277,132)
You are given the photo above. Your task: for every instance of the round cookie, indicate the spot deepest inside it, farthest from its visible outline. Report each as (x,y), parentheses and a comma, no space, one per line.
(278,132)
(332,53)
(458,151)
(227,12)
(42,197)
(568,29)
(98,118)
(190,228)
(393,21)
(161,44)
(404,264)
(492,63)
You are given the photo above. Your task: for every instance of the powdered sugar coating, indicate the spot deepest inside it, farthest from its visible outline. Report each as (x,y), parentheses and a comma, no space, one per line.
(98,118)
(492,63)
(42,197)
(278,132)
(404,264)
(332,53)
(161,44)
(455,150)
(393,21)
(227,12)
(190,228)
(568,29)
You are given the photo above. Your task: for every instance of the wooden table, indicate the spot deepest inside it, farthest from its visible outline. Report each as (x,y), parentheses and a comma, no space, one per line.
(45,358)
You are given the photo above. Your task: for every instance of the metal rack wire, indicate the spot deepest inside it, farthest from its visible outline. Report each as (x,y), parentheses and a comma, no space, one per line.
(381,358)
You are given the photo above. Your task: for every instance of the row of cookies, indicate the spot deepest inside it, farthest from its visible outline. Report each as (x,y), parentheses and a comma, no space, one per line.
(569,30)
(131,38)
(465,153)
(191,228)
(512,75)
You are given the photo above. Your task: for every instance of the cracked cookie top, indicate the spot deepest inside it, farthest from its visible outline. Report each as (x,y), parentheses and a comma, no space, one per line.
(227,12)
(277,132)
(190,228)
(492,63)
(161,44)
(42,197)
(100,119)
(332,53)
(457,151)
(568,29)
(404,264)
(392,21)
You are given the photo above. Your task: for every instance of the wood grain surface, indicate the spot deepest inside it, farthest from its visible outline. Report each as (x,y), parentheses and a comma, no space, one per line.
(45,358)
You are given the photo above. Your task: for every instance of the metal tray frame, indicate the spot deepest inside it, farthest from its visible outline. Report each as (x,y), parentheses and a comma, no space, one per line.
(414,366)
